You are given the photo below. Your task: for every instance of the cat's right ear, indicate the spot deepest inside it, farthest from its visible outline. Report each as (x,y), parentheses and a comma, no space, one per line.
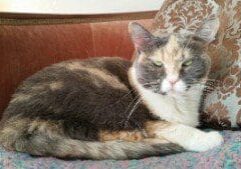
(208,29)
(143,40)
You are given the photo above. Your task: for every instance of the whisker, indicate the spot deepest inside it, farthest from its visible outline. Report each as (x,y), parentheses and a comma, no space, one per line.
(150,83)
(207,83)
(125,95)
(130,104)
(132,110)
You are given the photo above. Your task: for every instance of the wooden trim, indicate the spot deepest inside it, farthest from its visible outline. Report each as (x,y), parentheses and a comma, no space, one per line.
(27,19)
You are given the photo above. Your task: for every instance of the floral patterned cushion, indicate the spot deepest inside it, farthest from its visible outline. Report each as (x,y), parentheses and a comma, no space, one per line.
(222,97)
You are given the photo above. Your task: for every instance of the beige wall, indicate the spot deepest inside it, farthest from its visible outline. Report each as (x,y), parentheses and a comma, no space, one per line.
(79,6)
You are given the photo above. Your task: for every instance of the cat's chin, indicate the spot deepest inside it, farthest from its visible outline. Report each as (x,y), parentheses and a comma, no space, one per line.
(175,93)
(171,93)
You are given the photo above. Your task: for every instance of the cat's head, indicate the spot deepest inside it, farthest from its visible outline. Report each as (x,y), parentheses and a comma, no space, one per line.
(172,63)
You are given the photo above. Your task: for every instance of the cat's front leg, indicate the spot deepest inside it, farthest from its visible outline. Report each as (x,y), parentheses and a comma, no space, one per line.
(189,138)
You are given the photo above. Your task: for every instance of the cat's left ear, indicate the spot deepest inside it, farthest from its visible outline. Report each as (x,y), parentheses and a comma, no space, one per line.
(143,40)
(208,29)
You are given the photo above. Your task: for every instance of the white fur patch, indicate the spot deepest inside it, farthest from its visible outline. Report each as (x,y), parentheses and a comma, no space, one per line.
(179,86)
(191,138)
(174,107)
(182,111)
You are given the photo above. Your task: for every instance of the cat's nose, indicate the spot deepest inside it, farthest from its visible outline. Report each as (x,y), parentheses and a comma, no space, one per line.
(173,82)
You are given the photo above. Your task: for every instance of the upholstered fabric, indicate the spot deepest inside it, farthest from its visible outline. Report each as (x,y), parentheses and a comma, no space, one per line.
(223,105)
(25,49)
(222,99)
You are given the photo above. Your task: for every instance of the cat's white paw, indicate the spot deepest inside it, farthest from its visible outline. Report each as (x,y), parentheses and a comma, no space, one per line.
(205,141)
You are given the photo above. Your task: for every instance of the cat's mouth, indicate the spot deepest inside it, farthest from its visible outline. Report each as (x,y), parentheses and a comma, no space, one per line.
(172,92)
(164,93)
(173,88)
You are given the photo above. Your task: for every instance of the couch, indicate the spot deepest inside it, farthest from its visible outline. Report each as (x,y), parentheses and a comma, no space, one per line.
(30,42)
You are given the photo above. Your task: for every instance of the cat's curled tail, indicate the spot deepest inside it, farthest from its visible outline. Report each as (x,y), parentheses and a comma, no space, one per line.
(46,139)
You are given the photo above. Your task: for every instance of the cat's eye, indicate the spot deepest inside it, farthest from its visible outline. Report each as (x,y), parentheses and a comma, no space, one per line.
(158,63)
(187,63)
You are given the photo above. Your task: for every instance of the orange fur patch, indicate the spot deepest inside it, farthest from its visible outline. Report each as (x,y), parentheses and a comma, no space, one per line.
(121,135)
(148,133)
(152,126)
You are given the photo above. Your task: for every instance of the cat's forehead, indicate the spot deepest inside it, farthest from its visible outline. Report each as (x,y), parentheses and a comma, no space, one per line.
(173,50)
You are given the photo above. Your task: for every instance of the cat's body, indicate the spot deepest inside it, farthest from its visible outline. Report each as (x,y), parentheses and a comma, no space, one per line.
(86,100)
(110,108)
(88,96)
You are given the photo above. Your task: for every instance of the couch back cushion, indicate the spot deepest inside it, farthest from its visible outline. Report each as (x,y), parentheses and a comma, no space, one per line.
(28,45)
(221,107)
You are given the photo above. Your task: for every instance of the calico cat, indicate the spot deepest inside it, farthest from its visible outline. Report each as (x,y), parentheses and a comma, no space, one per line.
(110,108)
